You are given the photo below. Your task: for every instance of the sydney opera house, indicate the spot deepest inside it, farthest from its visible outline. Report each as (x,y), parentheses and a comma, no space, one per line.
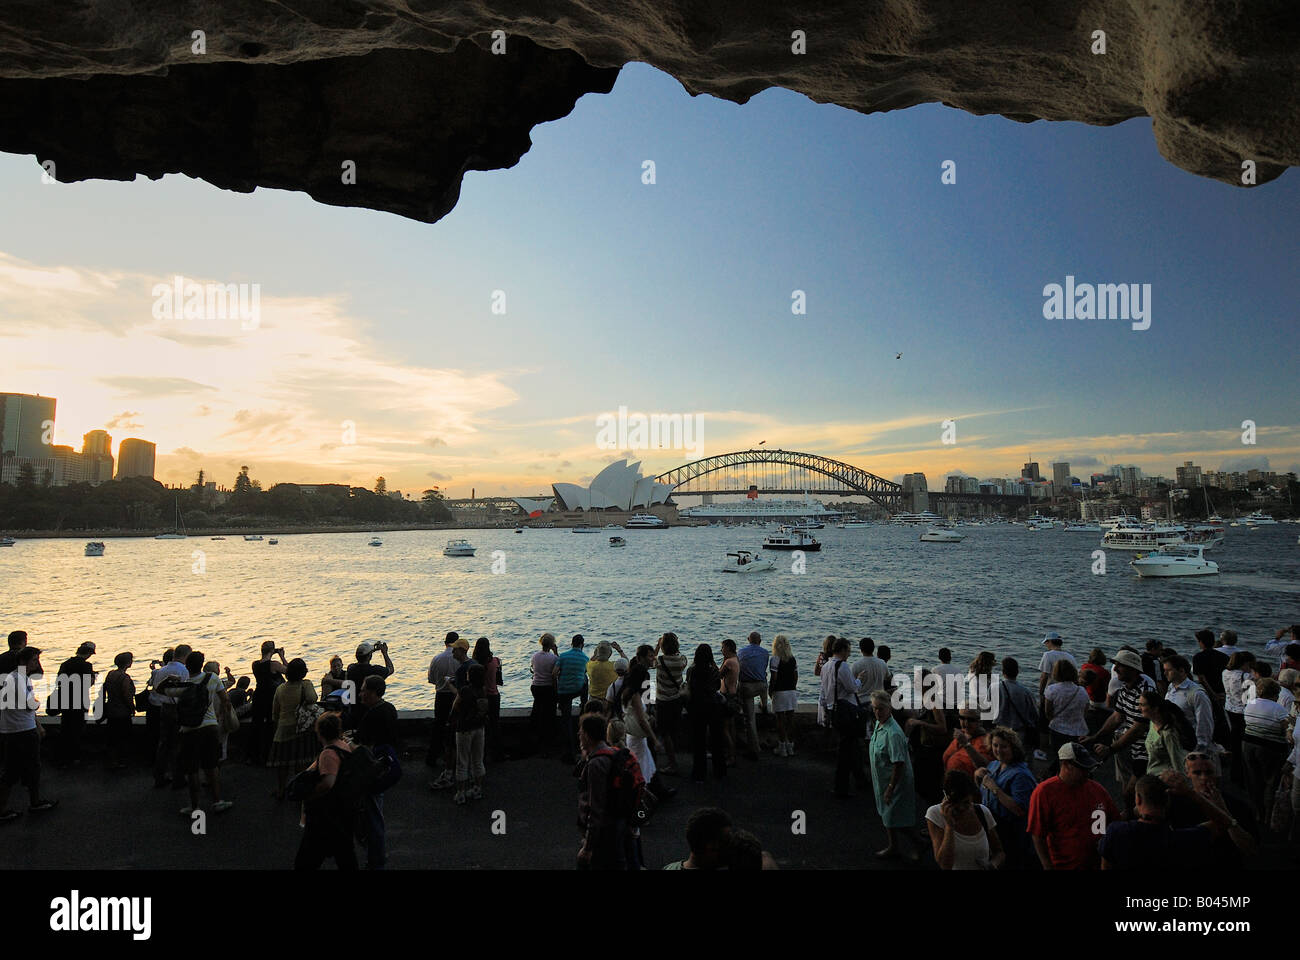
(619,486)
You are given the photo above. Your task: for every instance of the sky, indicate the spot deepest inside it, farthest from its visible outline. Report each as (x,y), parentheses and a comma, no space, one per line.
(376,349)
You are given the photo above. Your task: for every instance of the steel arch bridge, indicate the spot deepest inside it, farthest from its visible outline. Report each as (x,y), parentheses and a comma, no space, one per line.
(780,471)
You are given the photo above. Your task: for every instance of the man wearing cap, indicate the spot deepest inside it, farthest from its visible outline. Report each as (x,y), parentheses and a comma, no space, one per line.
(363,668)
(1125,730)
(72,697)
(442,671)
(1070,813)
(1053,642)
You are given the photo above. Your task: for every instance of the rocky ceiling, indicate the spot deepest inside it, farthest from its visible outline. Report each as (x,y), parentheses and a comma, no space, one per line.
(285,93)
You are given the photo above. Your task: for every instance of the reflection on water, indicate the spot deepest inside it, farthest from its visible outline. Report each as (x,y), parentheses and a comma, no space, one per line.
(320,595)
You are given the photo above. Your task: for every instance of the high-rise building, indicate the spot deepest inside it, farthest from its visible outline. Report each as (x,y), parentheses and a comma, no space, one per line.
(1030,471)
(1129,478)
(1060,478)
(1188,475)
(916,496)
(97,450)
(26,425)
(135,458)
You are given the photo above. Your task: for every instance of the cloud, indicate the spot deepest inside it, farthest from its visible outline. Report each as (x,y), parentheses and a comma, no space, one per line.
(136,387)
(435,475)
(187,453)
(124,421)
(433,442)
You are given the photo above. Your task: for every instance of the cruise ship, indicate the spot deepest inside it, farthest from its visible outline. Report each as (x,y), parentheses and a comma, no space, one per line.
(739,510)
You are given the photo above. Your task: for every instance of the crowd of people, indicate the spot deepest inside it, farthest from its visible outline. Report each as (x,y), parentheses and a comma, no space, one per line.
(993,773)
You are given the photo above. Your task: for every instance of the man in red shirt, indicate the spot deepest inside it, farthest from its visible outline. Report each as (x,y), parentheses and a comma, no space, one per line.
(1069,813)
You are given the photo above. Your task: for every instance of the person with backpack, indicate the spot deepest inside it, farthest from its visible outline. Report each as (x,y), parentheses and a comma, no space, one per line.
(329,807)
(611,790)
(377,729)
(469,716)
(197,699)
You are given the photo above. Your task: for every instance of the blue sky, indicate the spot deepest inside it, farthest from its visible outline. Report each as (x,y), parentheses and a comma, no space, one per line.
(676,297)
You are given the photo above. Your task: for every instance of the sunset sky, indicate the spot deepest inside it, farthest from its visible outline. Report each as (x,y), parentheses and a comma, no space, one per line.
(676,298)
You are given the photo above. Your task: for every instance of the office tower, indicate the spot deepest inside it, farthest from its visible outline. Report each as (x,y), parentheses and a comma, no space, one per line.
(135,458)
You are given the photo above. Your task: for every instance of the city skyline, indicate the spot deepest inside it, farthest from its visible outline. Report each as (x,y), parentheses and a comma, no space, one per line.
(924,304)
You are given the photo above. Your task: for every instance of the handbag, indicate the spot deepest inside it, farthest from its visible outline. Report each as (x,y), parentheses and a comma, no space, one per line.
(306,716)
(847,713)
(303,785)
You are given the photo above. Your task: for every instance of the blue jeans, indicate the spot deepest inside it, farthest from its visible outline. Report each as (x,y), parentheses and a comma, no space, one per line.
(372,816)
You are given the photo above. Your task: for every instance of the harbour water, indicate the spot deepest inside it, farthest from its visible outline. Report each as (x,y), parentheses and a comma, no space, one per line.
(319,595)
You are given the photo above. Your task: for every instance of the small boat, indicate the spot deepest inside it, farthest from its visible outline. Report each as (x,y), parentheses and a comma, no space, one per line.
(617,542)
(7,541)
(853,524)
(742,561)
(791,539)
(375,542)
(216,538)
(942,535)
(519,529)
(583,528)
(646,521)
(1258,519)
(613,526)
(458,548)
(808,523)
(272,542)
(1083,528)
(95,548)
(1178,560)
(252,536)
(178,531)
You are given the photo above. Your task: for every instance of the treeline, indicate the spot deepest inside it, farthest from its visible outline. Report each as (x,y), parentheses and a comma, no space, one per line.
(136,503)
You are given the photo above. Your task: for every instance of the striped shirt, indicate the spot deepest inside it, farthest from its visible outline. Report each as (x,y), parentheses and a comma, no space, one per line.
(1126,705)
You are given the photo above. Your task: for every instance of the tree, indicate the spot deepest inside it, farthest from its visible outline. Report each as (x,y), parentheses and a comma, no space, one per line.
(26,476)
(243,485)
(381,487)
(198,484)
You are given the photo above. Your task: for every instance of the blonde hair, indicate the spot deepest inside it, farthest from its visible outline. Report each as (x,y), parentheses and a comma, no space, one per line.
(602,651)
(781,647)
(212,667)
(616,733)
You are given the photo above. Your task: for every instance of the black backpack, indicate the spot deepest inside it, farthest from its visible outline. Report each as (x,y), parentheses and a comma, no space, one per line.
(626,791)
(359,771)
(192,699)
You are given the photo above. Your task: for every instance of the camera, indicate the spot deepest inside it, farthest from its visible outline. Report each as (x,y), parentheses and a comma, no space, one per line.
(381,645)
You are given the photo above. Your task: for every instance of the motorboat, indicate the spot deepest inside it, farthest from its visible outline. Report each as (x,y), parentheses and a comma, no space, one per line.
(1258,519)
(216,538)
(1179,560)
(272,542)
(617,542)
(519,529)
(1040,522)
(646,521)
(942,535)
(458,548)
(613,526)
(742,561)
(252,536)
(7,541)
(586,529)
(808,523)
(1083,528)
(375,542)
(791,539)
(1143,538)
(1118,521)
(1205,536)
(95,548)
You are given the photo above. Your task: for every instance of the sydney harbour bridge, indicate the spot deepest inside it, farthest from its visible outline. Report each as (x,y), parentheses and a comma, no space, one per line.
(770,471)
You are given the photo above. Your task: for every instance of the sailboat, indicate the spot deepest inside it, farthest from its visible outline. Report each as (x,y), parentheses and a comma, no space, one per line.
(178,530)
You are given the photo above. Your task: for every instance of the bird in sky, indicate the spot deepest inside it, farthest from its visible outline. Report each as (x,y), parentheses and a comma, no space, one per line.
(898,356)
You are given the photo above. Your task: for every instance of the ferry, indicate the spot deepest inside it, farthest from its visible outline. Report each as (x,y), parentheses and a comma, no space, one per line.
(1258,519)
(1143,538)
(646,521)
(95,548)
(925,517)
(789,539)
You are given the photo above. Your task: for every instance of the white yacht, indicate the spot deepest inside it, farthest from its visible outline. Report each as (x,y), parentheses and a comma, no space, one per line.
(95,548)
(458,548)
(178,531)
(925,517)
(742,561)
(617,542)
(1120,520)
(375,542)
(853,524)
(1143,538)
(809,523)
(942,535)
(1040,522)
(7,541)
(1258,519)
(788,539)
(613,526)
(1185,560)
(583,528)
(646,521)
(1082,527)
(252,536)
